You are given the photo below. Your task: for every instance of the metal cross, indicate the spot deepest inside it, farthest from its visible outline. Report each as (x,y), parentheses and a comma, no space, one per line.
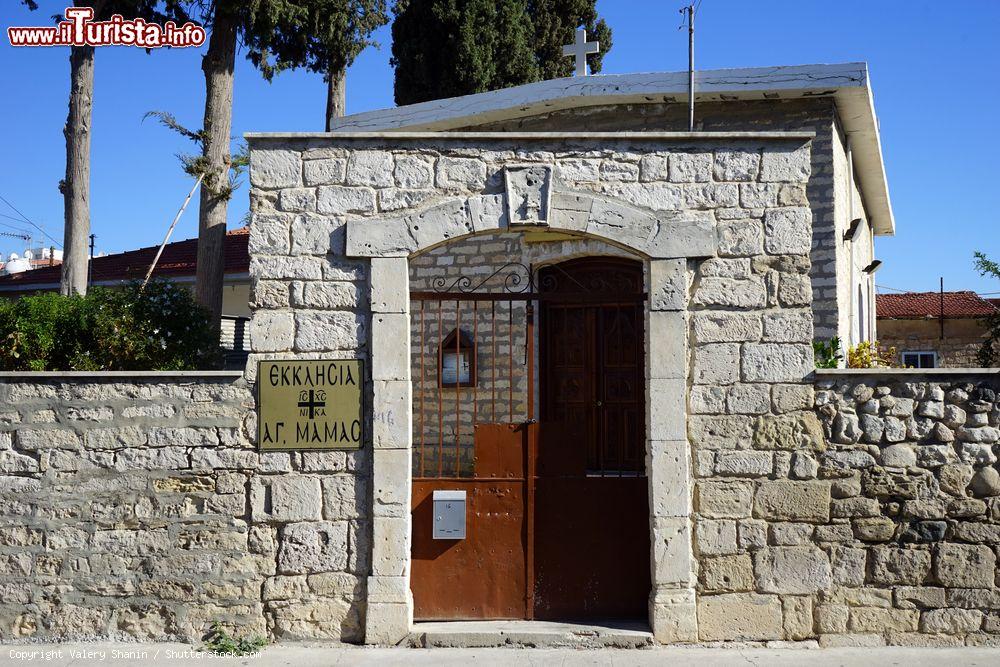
(579,50)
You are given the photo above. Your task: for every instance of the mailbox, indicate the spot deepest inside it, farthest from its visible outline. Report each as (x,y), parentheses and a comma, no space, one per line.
(449,515)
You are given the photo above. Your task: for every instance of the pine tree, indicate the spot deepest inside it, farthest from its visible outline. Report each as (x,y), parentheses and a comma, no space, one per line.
(447,48)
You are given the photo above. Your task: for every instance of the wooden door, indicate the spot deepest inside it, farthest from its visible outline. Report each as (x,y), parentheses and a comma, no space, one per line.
(591,512)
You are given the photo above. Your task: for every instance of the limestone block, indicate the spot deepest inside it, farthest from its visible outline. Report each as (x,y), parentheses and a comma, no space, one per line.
(730,293)
(918,597)
(680,235)
(667,345)
(792,570)
(788,165)
(327,296)
(878,620)
(726,326)
(412,171)
(295,498)
(856,507)
(329,171)
(586,170)
(387,624)
(749,399)
(739,617)
(795,501)
(791,397)
(14,463)
(328,330)
(665,412)
(848,565)
(726,574)
(788,326)
(804,466)
(788,231)
(792,431)
(467,173)
(688,167)
(393,414)
(312,235)
(951,621)
(370,168)
(652,196)
(488,212)
(711,195)
(344,497)
(286,268)
(795,290)
(752,534)
(985,483)
(965,565)
(976,454)
(896,566)
(798,616)
(672,551)
(391,546)
(717,363)
(875,529)
(390,346)
(707,400)
(716,537)
(744,464)
(736,165)
(297,200)
(379,238)
(668,285)
(390,285)
(448,220)
(674,621)
(320,546)
(791,534)
(391,471)
(273,168)
(719,432)
(339,200)
(388,589)
(773,362)
(669,473)
(619,171)
(741,238)
(724,499)
(269,234)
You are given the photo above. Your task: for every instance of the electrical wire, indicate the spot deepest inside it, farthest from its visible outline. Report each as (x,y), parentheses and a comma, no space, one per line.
(25,218)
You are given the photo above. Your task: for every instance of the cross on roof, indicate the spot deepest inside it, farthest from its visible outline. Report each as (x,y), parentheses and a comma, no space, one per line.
(579,50)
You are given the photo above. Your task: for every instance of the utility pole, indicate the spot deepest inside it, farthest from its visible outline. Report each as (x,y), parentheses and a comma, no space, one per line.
(690,20)
(90,263)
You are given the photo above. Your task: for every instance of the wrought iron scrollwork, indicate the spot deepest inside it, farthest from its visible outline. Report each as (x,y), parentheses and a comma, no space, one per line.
(517,278)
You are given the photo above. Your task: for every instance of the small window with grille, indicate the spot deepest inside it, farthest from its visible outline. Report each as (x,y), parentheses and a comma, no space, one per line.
(458,360)
(920,359)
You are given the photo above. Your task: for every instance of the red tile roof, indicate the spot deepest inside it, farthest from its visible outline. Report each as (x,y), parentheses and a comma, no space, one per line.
(924,305)
(178,259)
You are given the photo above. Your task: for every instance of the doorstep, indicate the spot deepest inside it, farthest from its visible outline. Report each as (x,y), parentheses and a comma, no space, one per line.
(531,634)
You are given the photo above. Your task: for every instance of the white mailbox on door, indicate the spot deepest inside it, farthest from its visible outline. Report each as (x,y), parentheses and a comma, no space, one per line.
(449,515)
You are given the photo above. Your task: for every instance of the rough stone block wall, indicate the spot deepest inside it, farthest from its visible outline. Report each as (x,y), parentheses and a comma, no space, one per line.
(873,520)
(816,115)
(138,507)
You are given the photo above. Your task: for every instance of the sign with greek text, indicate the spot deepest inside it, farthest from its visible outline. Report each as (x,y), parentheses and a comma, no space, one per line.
(309,404)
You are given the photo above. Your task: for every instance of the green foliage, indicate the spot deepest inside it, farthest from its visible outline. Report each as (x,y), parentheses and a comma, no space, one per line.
(220,642)
(869,354)
(447,48)
(827,355)
(989,353)
(159,328)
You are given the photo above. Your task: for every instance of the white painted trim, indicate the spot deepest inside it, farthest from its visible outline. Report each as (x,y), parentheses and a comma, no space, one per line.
(532,136)
(904,372)
(847,83)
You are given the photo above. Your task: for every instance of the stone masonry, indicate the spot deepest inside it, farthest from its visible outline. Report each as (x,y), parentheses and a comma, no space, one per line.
(138,507)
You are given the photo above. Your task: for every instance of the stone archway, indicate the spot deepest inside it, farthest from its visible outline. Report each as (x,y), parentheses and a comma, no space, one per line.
(665,241)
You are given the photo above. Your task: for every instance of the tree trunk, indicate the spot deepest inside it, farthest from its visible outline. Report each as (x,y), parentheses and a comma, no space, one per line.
(336,94)
(76,187)
(218,67)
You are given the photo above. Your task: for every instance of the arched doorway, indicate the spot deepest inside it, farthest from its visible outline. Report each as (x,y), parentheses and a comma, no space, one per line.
(529,404)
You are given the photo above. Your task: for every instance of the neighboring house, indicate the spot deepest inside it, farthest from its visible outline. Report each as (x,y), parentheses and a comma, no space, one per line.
(177,264)
(934,329)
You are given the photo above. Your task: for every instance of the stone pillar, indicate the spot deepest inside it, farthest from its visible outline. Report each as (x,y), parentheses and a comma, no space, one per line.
(390,603)
(672,610)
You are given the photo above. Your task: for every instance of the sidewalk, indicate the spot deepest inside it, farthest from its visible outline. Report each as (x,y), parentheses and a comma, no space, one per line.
(318,655)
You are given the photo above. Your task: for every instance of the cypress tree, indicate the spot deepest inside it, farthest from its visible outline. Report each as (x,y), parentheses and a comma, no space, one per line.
(447,48)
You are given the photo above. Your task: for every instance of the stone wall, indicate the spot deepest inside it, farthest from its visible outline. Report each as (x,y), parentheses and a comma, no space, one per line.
(874,520)
(831,309)
(959,348)
(136,506)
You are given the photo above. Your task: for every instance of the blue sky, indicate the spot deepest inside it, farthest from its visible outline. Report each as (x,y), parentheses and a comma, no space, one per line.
(935,70)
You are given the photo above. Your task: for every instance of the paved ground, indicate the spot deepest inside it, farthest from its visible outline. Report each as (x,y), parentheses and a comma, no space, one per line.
(314,655)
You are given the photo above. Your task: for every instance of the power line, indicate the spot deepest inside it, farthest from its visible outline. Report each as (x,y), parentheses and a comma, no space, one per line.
(25,218)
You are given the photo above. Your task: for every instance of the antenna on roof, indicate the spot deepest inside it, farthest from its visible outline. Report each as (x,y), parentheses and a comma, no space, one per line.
(689,11)
(170,230)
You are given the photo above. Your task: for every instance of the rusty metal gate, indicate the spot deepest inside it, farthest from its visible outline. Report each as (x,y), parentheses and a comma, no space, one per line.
(557,516)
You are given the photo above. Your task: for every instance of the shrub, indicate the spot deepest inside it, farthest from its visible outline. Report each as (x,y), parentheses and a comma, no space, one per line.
(868,354)
(159,328)
(827,355)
